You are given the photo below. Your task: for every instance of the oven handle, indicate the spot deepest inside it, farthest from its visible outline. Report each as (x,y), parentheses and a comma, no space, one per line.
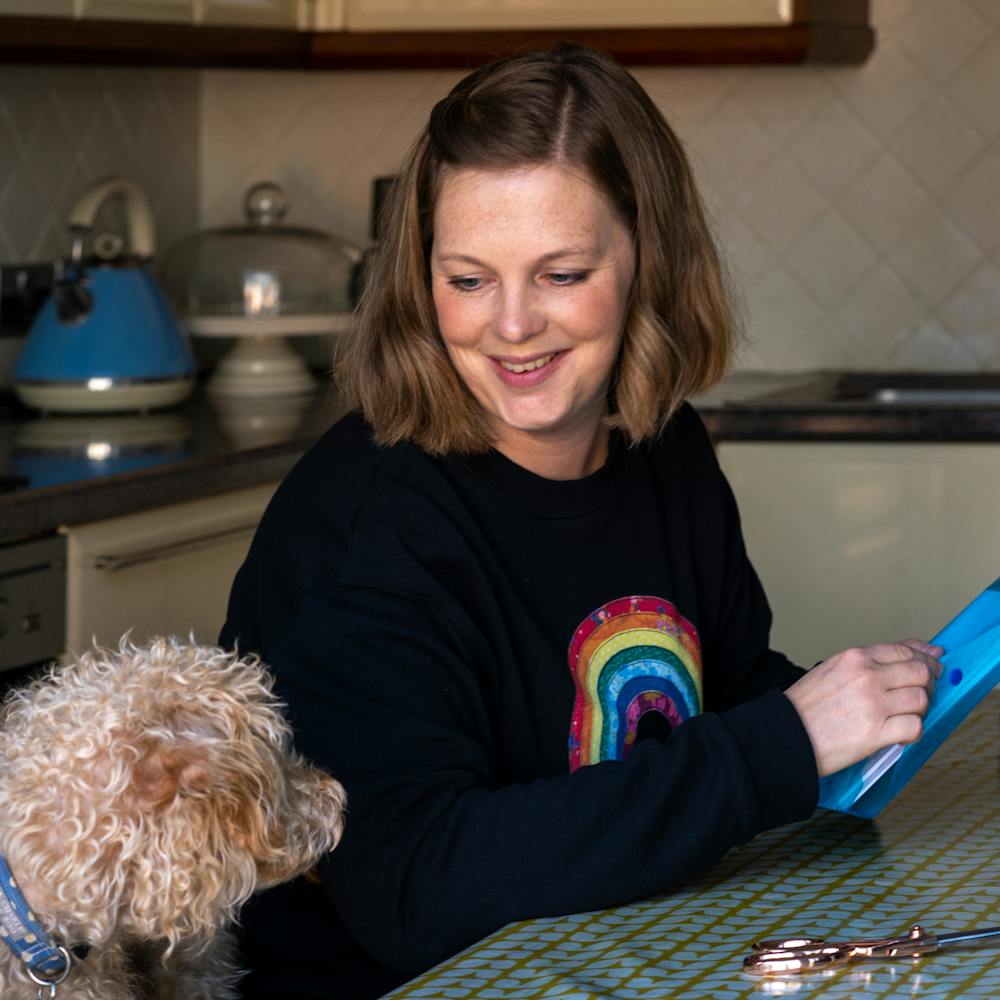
(128,560)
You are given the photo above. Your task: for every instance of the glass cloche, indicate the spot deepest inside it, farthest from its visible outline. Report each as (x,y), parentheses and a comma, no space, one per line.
(261,282)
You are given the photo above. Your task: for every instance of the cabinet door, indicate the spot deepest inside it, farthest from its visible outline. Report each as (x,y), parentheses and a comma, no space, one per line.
(269,13)
(138,10)
(444,15)
(159,572)
(38,8)
(863,543)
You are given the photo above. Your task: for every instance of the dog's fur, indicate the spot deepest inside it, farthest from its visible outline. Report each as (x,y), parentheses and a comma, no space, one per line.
(145,793)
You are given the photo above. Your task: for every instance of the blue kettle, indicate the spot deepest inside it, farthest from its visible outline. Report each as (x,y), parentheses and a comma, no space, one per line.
(106,339)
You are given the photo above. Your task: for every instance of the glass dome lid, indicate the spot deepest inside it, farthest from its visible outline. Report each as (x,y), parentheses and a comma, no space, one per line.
(265,274)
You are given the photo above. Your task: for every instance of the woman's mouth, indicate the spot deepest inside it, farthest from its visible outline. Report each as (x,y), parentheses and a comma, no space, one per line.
(529,371)
(526,366)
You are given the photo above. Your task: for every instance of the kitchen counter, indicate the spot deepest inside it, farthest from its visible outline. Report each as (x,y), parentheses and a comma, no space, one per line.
(838,406)
(57,470)
(76,469)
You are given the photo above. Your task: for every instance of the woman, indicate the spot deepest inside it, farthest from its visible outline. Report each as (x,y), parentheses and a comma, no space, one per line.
(507,599)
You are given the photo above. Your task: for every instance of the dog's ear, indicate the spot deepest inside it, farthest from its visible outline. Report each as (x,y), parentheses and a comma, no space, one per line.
(164,771)
(312,823)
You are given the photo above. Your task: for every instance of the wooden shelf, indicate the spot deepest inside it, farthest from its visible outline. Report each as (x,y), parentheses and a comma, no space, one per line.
(48,40)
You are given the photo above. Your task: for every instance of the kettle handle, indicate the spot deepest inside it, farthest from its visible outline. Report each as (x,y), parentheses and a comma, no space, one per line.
(138,212)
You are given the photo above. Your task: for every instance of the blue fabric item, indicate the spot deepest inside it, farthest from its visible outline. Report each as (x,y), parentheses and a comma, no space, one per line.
(22,932)
(971,669)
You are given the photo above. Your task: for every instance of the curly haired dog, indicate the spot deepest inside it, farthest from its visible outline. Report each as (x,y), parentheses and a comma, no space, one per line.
(145,794)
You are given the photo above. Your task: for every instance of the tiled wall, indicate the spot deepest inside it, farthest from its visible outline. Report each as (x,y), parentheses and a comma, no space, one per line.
(860,206)
(63,127)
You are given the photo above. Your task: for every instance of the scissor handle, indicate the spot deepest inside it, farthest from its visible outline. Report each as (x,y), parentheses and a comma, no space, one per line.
(773,957)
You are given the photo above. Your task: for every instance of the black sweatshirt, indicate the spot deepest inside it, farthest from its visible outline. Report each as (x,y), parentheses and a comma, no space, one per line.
(506,673)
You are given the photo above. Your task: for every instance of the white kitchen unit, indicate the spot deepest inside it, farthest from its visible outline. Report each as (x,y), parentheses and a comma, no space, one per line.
(459,15)
(38,8)
(165,571)
(136,10)
(862,543)
(301,14)
(256,13)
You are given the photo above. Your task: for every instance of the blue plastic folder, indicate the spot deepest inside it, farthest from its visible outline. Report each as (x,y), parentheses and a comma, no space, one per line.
(971,668)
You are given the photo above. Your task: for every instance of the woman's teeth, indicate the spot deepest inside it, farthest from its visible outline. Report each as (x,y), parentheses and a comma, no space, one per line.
(528,366)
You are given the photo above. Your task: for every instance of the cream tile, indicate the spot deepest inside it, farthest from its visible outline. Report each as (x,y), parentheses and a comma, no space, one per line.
(934,256)
(931,347)
(941,34)
(779,204)
(714,145)
(778,310)
(887,89)
(974,88)
(974,200)
(990,9)
(881,312)
(972,314)
(936,144)
(833,146)
(26,102)
(746,257)
(831,258)
(883,202)
(688,95)
(824,344)
(783,98)
(886,14)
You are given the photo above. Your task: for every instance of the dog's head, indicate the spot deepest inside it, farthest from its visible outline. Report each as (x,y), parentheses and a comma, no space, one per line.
(151,790)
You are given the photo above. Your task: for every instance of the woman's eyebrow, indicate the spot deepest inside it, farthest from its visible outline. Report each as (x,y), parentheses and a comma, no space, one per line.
(551,255)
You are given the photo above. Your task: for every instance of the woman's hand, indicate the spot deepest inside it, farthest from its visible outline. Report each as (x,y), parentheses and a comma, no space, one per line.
(861,700)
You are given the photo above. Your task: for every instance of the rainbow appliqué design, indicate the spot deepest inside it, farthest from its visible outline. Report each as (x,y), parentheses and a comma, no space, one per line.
(631,656)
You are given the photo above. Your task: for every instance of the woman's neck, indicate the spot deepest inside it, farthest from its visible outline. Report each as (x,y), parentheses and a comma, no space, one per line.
(572,455)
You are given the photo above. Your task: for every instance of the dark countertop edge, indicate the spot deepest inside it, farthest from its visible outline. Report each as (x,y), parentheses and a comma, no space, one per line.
(839,423)
(40,512)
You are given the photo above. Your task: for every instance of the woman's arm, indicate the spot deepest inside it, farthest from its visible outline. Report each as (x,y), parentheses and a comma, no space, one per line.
(397,700)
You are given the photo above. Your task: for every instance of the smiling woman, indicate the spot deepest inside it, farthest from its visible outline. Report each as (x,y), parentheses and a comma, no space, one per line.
(531,271)
(507,599)
(606,152)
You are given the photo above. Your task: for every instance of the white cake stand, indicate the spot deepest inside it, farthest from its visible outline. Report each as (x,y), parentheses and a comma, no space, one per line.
(262,362)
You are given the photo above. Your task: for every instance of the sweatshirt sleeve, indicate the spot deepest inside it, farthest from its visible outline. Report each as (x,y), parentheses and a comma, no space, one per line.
(738,649)
(394,698)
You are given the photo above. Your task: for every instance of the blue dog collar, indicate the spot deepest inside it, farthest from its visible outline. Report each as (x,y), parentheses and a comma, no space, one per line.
(46,961)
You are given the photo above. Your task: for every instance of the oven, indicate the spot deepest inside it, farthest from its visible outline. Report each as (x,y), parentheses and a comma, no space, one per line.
(32,605)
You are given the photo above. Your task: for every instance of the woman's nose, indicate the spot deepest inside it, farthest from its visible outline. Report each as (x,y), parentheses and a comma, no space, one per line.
(520,315)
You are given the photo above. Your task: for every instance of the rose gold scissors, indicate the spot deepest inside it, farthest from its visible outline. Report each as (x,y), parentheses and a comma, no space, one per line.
(808,954)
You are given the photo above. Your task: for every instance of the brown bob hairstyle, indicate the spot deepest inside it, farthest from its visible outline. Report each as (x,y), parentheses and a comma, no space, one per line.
(565,105)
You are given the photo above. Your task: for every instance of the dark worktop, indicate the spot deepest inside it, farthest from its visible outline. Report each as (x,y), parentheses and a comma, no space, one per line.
(855,406)
(85,468)
(59,470)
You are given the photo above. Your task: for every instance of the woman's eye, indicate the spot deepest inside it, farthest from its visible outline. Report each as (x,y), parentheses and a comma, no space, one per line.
(567,277)
(465,284)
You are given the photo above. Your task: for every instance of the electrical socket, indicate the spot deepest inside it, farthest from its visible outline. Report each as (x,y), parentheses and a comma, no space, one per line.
(23,289)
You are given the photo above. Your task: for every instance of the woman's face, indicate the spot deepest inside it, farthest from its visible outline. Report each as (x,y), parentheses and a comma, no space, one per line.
(531,271)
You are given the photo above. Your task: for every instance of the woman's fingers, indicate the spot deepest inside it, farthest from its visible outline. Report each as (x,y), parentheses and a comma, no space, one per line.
(863,699)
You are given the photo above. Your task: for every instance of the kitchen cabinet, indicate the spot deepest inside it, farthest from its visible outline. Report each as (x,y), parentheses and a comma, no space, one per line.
(38,8)
(164,571)
(456,15)
(259,13)
(863,543)
(402,34)
(137,10)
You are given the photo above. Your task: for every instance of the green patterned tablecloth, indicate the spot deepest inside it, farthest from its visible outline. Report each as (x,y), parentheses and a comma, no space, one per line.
(932,857)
